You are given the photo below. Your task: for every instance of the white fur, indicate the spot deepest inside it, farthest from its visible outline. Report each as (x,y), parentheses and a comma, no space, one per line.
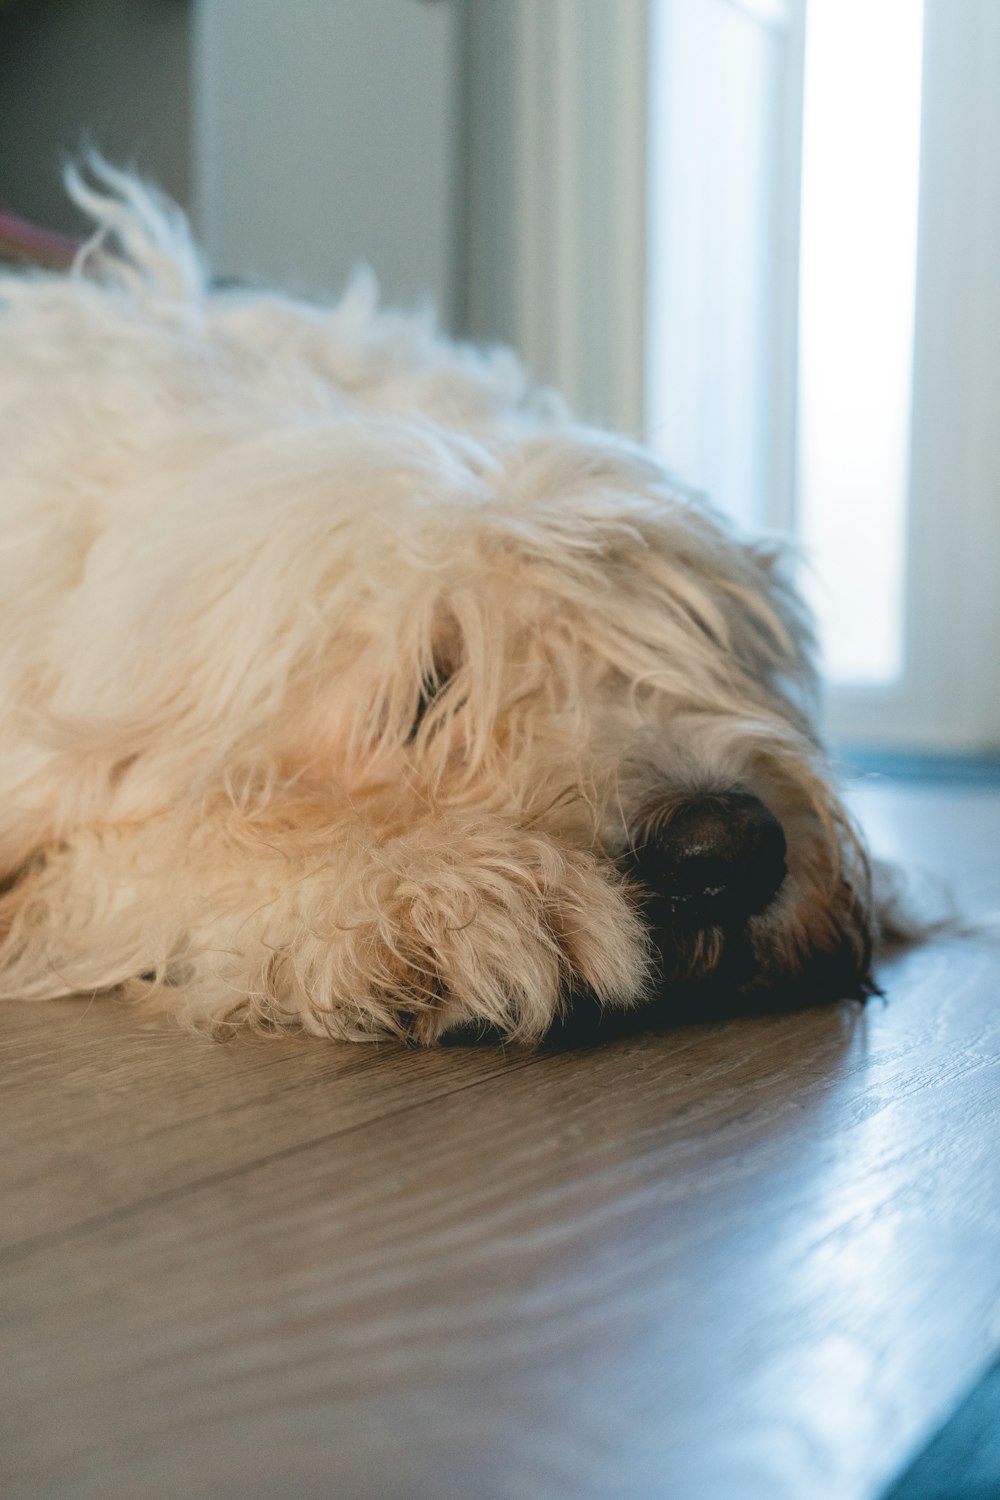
(241,535)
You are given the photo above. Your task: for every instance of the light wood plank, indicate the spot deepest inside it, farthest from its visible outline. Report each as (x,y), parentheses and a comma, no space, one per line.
(97,1112)
(716,1264)
(735,1261)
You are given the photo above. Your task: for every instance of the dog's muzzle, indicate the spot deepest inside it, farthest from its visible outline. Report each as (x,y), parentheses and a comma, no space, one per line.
(710,861)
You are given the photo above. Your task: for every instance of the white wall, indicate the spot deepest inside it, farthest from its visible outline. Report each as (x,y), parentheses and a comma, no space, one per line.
(489,228)
(326,134)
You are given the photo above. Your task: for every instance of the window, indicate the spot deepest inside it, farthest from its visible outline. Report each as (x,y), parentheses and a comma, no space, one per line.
(824,234)
(857,282)
(808,287)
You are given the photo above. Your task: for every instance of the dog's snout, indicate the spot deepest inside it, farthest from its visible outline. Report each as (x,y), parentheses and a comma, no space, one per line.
(715,860)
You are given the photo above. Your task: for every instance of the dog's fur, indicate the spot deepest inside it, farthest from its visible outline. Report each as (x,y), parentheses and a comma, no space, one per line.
(340,671)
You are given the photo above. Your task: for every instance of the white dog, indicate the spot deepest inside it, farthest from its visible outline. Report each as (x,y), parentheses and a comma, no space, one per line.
(349,684)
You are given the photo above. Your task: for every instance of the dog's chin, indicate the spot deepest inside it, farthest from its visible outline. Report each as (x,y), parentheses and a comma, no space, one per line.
(741,982)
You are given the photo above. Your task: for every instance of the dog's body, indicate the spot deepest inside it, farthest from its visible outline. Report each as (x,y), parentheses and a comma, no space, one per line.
(347,683)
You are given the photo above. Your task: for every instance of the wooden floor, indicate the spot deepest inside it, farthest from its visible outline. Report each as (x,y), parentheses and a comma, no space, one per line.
(751,1259)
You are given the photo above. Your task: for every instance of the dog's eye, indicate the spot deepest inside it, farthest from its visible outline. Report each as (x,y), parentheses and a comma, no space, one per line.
(431,689)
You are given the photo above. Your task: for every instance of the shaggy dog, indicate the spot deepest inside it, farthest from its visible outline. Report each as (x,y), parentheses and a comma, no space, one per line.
(349,684)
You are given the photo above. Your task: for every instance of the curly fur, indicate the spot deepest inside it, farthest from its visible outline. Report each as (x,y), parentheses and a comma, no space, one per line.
(340,669)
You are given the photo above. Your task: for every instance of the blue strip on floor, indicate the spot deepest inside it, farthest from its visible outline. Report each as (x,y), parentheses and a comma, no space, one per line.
(901,765)
(963,1461)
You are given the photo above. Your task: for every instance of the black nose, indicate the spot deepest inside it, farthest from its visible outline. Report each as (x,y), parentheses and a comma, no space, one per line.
(712,860)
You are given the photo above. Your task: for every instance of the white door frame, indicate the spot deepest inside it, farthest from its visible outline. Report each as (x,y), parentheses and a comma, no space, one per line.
(574,305)
(949,696)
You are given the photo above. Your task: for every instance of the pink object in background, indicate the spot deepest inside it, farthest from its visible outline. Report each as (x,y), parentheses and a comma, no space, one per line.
(24,242)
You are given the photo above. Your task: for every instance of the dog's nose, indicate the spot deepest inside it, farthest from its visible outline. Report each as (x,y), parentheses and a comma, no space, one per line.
(715,860)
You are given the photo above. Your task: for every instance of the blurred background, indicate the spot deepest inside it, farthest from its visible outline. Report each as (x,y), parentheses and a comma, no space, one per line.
(762,234)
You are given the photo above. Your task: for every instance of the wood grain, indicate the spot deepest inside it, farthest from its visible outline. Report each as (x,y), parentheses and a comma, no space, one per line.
(132,1113)
(757,1258)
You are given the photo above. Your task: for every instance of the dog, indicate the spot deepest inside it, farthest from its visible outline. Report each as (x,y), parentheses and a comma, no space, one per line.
(350,685)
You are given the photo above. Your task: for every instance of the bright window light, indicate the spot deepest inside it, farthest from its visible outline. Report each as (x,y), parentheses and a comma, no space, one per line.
(861,147)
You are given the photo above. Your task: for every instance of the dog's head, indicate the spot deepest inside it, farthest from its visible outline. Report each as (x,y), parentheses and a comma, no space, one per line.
(583,649)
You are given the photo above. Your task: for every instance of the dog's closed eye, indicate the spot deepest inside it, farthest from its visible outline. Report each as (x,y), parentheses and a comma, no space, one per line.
(431,688)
